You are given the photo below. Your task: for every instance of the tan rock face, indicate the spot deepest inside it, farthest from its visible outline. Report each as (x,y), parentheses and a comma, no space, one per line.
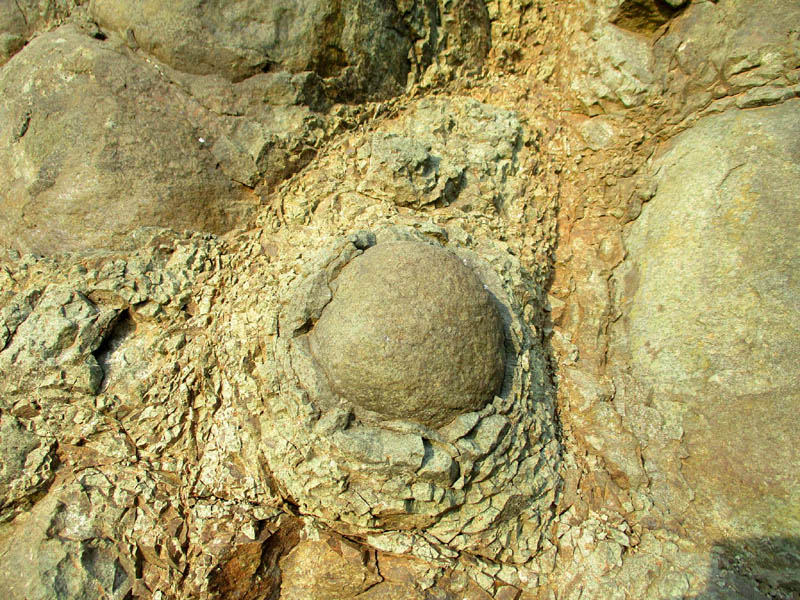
(22,19)
(711,313)
(362,48)
(623,180)
(325,569)
(354,41)
(94,146)
(411,333)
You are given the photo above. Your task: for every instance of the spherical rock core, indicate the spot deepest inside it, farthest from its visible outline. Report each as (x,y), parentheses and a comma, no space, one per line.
(411,333)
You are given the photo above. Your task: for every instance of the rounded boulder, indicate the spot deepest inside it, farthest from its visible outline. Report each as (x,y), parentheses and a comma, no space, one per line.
(411,333)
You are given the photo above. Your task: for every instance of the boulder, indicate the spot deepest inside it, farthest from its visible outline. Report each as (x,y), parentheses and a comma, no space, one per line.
(709,300)
(93,144)
(411,333)
(356,44)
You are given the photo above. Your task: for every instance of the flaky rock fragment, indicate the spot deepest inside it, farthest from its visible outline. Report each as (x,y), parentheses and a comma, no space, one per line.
(411,333)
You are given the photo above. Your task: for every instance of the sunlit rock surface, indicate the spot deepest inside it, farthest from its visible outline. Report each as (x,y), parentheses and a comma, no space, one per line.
(187,193)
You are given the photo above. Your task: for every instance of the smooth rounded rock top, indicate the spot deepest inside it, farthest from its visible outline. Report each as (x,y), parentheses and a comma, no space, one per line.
(411,333)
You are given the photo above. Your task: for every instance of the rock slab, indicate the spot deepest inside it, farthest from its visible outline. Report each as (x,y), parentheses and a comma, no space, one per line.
(710,296)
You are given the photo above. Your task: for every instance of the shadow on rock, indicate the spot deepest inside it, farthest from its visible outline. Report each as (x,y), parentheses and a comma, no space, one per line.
(754,568)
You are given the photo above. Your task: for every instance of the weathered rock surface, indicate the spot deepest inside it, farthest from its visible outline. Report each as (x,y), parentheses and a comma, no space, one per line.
(100,113)
(21,19)
(710,318)
(321,570)
(614,61)
(716,54)
(411,333)
(467,485)
(361,48)
(619,175)
(356,43)
(93,147)
(732,53)
(13,30)
(443,151)
(425,159)
(61,549)
(26,465)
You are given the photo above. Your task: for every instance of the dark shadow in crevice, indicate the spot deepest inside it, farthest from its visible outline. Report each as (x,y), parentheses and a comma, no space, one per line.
(251,571)
(765,568)
(119,331)
(509,352)
(643,16)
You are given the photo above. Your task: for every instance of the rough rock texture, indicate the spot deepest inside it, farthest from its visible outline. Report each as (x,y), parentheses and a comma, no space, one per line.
(618,174)
(734,53)
(21,19)
(410,333)
(614,64)
(62,549)
(321,569)
(92,148)
(644,16)
(710,309)
(89,111)
(13,30)
(26,463)
(472,484)
(361,48)
(356,42)
(440,153)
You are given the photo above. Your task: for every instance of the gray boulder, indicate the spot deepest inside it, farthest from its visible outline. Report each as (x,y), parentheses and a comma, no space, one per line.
(357,45)
(411,333)
(93,144)
(709,297)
